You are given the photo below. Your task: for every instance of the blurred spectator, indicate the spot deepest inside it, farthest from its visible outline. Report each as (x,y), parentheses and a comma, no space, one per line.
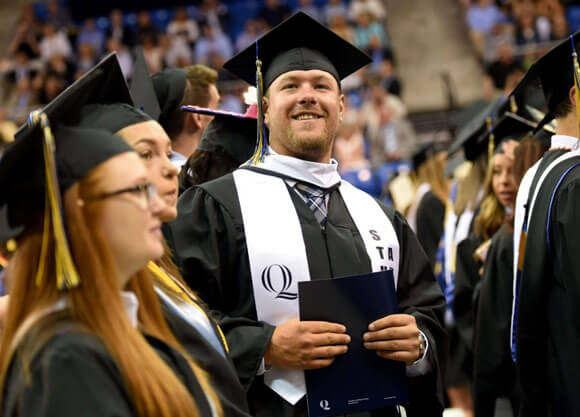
(391,136)
(483,16)
(58,16)
(377,52)
(252,31)
(367,27)
(559,28)
(26,37)
(145,28)
(86,57)
(375,7)
(54,43)
(391,81)
(215,13)
(125,58)
(333,8)
(213,48)
(92,36)
(349,148)
(60,65)
(52,86)
(118,30)
(340,26)
(183,28)
(176,51)
(152,53)
(310,9)
(19,67)
(504,64)
(526,31)
(21,101)
(273,12)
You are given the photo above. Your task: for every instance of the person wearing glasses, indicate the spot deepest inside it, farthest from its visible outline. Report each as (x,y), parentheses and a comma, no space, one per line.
(74,342)
(112,109)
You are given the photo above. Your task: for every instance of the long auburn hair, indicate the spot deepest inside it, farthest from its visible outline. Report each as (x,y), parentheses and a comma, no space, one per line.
(491,213)
(154,389)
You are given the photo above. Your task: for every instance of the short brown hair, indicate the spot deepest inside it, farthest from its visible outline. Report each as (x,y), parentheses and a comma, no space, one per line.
(198,79)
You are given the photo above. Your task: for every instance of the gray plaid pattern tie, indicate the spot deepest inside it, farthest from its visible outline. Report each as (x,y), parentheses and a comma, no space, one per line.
(315,199)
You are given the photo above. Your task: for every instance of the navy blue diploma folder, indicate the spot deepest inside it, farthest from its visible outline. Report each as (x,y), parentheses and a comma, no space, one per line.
(358,380)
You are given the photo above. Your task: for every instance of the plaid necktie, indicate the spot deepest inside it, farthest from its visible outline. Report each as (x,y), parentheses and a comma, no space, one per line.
(315,199)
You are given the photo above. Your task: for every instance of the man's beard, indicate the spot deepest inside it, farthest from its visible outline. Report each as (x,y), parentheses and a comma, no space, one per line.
(304,146)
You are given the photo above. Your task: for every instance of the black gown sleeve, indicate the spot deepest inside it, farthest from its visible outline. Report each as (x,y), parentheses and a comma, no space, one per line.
(466,283)
(494,371)
(209,246)
(74,375)
(430,219)
(419,295)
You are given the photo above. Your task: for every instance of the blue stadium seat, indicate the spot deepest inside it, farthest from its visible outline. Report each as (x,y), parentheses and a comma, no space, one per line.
(131,20)
(573,15)
(161,18)
(40,11)
(364,179)
(103,23)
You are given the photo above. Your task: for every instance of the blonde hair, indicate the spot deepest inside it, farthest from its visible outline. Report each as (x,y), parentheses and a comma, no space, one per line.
(431,172)
(491,213)
(469,187)
(154,388)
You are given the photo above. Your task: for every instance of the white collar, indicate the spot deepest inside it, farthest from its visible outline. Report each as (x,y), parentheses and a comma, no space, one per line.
(316,173)
(564,141)
(129,299)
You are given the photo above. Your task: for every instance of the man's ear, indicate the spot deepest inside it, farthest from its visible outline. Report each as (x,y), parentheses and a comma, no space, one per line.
(265,104)
(341,107)
(572,95)
(196,120)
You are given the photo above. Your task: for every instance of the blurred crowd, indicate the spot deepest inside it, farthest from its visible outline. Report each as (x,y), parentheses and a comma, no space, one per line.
(508,35)
(50,49)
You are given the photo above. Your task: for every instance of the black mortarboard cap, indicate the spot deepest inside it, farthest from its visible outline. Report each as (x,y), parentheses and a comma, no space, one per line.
(22,175)
(232,133)
(104,83)
(424,152)
(554,73)
(111,117)
(478,126)
(142,88)
(298,43)
(169,86)
(509,126)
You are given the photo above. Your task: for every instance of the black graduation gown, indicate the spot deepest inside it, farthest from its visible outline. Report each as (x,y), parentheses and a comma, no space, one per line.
(494,371)
(548,332)
(430,224)
(209,244)
(74,374)
(220,369)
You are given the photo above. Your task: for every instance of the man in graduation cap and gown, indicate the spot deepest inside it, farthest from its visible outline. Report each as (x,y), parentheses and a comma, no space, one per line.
(546,317)
(289,207)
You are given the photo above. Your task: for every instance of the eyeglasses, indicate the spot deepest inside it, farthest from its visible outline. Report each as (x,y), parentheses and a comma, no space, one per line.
(145,192)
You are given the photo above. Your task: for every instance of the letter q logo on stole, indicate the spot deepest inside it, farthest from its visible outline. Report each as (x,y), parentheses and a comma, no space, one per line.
(325,405)
(278,280)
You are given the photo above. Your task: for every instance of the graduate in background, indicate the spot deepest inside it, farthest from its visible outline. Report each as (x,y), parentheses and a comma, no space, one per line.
(494,372)
(302,64)
(546,308)
(427,213)
(186,314)
(71,339)
(228,141)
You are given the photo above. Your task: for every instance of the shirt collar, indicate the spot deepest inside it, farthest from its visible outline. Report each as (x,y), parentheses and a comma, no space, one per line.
(319,174)
(564,141)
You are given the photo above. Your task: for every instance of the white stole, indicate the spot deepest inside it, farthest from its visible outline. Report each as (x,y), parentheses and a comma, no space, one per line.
(423,189)
(277,253)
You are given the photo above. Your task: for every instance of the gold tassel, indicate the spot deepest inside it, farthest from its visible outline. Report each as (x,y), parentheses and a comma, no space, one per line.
(259,152)
(66,273)
(513,105)
(577,91)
